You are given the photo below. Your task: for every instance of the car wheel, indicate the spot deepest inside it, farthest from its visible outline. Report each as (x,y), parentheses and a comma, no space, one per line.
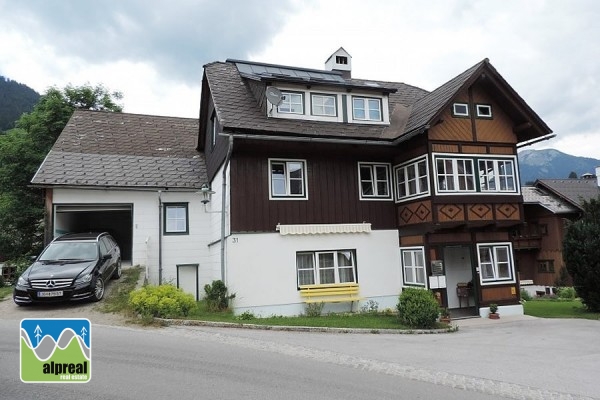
(98,289)
(118,270)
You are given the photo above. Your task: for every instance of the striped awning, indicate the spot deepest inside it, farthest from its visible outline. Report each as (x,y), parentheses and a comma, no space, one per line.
(320,229)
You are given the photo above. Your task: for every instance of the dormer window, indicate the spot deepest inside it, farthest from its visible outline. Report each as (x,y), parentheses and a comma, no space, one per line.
(292,103)
(341,60)
(483,110)
(366,109)
(323,105)
(460,109)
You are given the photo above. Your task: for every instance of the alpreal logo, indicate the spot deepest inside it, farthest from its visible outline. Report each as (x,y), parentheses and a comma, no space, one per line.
(56,350)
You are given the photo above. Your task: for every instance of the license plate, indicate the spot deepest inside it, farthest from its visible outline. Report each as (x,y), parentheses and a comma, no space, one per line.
(56,293)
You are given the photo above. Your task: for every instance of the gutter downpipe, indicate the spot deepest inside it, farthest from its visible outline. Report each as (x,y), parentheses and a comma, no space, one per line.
(223,205)
(159,238)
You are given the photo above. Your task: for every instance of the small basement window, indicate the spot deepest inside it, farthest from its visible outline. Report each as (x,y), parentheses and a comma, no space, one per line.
(484,110)
(460,110)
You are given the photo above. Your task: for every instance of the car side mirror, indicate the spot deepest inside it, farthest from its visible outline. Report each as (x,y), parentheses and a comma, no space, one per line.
(33,258)
(106,257)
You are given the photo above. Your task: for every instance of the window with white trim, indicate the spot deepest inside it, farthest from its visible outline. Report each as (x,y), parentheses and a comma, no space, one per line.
(413,266)
(495,262)
(455,175)
(213,130)
(287,179)
(326,267)
(323,105)
(374,180)
(412,179)
(483,110)
(460,109)
(291,103)
(366,109)
(175,218)
(497,176)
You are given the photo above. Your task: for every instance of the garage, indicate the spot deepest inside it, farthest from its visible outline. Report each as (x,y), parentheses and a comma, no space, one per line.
(117,219)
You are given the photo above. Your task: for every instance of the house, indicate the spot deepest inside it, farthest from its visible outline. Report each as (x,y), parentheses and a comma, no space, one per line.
(310,183)
(549,205)
(326,179)
(137,177)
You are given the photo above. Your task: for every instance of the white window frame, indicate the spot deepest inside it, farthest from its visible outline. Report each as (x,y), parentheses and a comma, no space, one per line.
(317,268)
(456,113)
(374,181)
(288,179)
(493,173)
(323,96)
(367,109)
(414,267)
(213,131)
(494,264)
(284,100)
(455,176)
(401,174)
(480,107)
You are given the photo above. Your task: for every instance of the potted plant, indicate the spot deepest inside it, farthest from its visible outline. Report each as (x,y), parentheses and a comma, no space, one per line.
(494,311)
(444,315)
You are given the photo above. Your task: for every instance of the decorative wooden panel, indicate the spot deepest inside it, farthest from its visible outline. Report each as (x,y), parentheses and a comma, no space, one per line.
(480,212)
(491,294)
(414,213)
(499,129)
(467,149)
(452,129)
(445,148)
(503,150)
(450,212)
(507,212)
(415,240)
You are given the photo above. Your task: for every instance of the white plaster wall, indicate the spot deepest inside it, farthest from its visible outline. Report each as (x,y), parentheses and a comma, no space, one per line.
(176,249)
(261,269)
(506,311)
(213,210)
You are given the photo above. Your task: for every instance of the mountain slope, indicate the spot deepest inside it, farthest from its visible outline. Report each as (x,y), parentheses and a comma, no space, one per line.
(550,163)
(15,99)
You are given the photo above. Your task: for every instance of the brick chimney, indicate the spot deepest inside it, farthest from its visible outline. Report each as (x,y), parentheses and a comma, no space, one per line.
(341,61)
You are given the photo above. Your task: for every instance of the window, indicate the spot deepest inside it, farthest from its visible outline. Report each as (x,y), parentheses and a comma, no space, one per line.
(460,109)
(323,105)
(213,130)
(287,179)
(326,267)
(341,60)
(455,175)
(374,181)
(292,103)
(483,110)
(413,266)
(495,262)
(366,109)
(496,176)
(175,218)
(412,179)
(546,266)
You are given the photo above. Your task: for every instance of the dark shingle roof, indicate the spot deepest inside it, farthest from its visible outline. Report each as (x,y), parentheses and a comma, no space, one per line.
(548,200)
(575,191)
(125,150)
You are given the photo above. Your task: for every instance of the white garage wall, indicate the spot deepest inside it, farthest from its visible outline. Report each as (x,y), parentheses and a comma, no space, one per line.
(261,269)
(176,249)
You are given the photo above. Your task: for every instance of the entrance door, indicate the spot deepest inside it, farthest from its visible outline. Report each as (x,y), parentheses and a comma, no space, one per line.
(457,261)
(187,278)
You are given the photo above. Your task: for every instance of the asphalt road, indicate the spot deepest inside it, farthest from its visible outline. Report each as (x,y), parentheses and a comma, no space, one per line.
(514,358)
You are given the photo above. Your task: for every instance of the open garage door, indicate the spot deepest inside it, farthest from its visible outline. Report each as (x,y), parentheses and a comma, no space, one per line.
(116,219)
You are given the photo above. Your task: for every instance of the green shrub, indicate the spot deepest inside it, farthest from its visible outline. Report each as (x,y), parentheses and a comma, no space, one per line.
(164,301)
(2,283)
(418,308)
(217,298)
(370,306)
(567,293)
(525,295)
(314,309)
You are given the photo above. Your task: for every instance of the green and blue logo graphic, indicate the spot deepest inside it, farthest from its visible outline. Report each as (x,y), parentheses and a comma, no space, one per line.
(56,350)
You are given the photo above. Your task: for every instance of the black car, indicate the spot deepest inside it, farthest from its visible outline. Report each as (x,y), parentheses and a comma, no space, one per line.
(71,267)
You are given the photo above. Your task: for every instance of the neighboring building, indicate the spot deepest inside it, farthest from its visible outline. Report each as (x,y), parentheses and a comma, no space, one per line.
(312,179)
(331,179)
(548,206)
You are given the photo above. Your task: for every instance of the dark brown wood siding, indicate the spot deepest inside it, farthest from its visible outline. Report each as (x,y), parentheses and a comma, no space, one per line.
(333,188)
(215,155)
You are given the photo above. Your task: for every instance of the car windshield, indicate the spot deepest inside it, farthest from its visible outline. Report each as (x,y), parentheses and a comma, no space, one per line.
(70,251)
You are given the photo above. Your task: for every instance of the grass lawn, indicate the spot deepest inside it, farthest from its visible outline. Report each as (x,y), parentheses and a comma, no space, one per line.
(5,291)
(117,298)
(555,308)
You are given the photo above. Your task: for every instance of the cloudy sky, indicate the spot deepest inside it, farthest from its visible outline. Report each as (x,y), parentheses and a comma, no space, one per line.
(153,52)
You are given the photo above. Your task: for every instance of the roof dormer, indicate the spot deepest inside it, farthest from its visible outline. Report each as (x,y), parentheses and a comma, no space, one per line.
(340,61)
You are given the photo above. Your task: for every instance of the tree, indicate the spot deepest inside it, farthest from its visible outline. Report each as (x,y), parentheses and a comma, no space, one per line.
(573,175)
(21,152)
(581,251)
